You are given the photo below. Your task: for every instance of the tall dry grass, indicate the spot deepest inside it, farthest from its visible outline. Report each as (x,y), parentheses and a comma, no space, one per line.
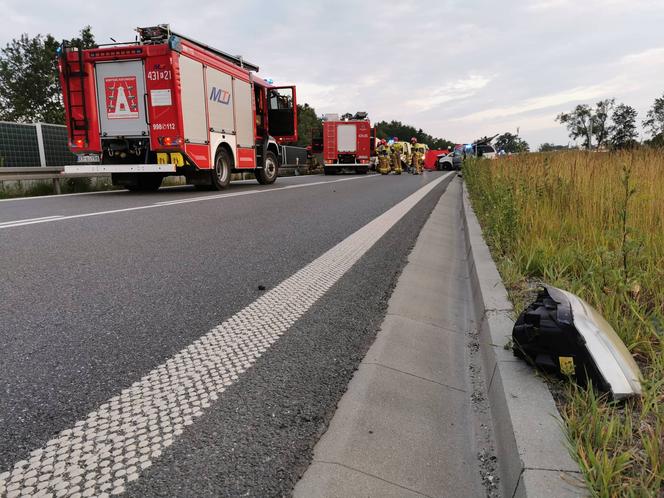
(592,223)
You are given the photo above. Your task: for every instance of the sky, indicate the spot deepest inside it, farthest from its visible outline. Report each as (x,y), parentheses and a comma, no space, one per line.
(458,69)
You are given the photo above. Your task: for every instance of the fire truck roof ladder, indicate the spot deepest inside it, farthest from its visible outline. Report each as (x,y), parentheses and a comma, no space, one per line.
(162,33)
(76,124)
(235,59)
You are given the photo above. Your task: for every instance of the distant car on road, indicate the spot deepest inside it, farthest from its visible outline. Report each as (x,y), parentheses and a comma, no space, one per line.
(485,150)
(450,162)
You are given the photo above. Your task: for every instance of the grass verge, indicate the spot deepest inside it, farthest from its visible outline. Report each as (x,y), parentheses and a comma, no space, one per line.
(591,223)
(35,188)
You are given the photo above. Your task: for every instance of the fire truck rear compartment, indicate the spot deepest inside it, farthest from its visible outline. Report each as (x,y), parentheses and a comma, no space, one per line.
(120,99)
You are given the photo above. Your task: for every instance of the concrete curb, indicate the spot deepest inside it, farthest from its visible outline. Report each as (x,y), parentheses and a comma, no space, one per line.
(404,427)
(532,456)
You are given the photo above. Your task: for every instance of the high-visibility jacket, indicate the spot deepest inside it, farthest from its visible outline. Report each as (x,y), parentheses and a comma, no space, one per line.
(383,150)
(421,148)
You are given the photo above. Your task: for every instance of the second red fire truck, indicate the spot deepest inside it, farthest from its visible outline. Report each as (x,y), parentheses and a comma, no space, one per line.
(169,105)
(346,143)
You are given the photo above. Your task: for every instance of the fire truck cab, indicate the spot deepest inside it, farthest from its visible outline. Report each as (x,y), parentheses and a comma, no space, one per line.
(169,105)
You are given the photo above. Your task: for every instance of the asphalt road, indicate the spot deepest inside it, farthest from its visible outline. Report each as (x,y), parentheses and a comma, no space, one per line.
(98,291)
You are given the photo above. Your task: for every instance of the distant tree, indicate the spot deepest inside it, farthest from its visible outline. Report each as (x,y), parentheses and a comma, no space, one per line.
(405,132)
(484,140)
(623,132)
(29,86)
(393,129)
(29,89)
(441,144)
(577,122)
(582,118)
(654,122)
(602,128)
(548,147)
(657,141)
(308,123)
(85,39)
(511,143)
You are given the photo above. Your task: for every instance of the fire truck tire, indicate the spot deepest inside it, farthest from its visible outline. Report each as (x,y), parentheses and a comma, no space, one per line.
(268,174)
(221,175)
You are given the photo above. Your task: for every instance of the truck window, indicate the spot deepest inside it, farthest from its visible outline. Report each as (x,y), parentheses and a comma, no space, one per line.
(281,99)
(281,112)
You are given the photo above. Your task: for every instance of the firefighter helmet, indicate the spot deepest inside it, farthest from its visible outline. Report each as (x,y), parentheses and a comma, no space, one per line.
(413,140)
(395,139)
(383,142)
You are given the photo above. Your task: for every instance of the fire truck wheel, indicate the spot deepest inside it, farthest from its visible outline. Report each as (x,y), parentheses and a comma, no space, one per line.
(221,176)
(268,174)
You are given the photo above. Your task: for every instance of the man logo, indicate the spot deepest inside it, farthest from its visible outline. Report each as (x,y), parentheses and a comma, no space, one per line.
(219,95)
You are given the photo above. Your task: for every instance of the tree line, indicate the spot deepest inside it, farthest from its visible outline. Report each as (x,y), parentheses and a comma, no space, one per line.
(29,85)
(613,126)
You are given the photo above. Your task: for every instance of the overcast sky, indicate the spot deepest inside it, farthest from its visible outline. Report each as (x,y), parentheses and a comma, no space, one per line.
(459,69)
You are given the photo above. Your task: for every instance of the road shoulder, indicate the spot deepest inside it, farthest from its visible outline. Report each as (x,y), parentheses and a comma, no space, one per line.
(401,429)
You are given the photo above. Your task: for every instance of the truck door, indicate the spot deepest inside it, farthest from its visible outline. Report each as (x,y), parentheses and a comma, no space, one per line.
(281,113)
(347,138)
(121,99)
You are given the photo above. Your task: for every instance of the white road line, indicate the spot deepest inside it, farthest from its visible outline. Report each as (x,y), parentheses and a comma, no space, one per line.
(183,187)
(28,220)
(100,454)
(57,196)
(247,192)
(34,221)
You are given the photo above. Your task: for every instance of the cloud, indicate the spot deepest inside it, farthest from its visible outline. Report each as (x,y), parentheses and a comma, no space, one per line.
(433,97)
(649,56)
(542,102)
(322,95)
(543,5)
(548,4)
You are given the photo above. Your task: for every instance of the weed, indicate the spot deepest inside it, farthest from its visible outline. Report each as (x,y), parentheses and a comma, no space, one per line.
(592,223)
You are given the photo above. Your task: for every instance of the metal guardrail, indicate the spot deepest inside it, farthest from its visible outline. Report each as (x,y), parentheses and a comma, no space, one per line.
(56,174)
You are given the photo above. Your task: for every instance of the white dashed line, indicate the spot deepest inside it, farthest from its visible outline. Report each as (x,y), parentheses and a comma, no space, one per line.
(7,224)
(100,454)
(48,219)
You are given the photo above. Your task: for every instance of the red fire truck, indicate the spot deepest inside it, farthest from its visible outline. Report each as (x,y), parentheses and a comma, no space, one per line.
(346,144)
(169,105)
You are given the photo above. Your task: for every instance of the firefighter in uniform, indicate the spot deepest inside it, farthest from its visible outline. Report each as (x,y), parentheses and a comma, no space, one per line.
(383,152)
(397,150)
(416,165)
